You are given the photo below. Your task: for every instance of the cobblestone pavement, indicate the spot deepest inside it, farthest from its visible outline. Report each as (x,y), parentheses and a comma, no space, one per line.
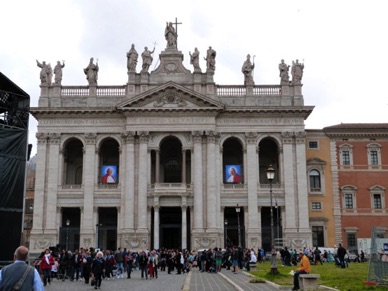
(164,282)
(193,281)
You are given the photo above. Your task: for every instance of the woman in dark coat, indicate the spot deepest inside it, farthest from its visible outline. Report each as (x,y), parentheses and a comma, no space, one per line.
(98,268)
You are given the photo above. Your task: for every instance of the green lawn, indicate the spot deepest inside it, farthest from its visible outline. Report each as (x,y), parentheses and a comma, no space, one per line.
(348,279)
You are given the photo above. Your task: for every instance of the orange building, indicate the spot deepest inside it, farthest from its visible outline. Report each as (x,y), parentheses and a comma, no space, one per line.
(360,151)
(320,188)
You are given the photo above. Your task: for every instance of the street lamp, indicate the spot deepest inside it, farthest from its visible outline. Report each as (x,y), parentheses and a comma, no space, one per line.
(226,233)
(67,234)
(270,177)
(97,231)
(238,225)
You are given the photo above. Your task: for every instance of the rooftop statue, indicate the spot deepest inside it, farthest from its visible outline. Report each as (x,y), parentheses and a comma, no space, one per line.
(58,72)
(210,60)
(147,59)
(91,72)
(45,73)
(170,35)
(284,77)
(297,72)
(132,56)
(194,60)
(247,70)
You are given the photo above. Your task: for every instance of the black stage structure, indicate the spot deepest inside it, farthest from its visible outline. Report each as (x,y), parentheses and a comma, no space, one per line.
(14,153)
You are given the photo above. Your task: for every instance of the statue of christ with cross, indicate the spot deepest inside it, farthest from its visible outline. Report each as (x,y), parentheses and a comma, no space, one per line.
(171,34)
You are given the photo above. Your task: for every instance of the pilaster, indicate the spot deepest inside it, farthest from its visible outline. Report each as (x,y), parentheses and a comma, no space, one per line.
(211,182)
(142,221)
(252,177)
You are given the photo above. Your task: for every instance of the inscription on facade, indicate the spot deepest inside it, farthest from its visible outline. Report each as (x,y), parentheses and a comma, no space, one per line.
(173,120)
(272,121)
(80,122)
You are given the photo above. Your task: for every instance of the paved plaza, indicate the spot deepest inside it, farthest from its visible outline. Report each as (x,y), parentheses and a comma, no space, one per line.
(193,281)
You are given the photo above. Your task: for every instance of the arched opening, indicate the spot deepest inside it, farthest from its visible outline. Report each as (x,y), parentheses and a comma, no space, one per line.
(268,155)
(233,161)
(171,160)
(73,162)
(109,162)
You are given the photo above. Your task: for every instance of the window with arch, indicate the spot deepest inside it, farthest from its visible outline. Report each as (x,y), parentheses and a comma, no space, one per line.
(349,197)
(374,154)
(315,181)
(377,194)
(315,173)
(346,155)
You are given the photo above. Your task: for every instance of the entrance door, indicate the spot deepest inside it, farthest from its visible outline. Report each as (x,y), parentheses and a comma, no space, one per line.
(170,227)
(107,228)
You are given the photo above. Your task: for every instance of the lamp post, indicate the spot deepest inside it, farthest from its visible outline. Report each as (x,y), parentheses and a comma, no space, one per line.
(226,233)
(270,177)
(67,234)
(97,231)
(238,225)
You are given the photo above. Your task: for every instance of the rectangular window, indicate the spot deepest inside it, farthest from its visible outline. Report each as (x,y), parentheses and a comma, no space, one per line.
(348,201)
(377,201)
(313,144)
(374,160)
(318,236)
(316,205)
(345,158)
(351,240)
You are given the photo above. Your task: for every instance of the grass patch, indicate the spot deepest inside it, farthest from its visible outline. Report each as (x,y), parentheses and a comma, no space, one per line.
(348,279)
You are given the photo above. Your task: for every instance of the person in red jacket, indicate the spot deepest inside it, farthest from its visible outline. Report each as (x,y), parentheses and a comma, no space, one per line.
(45,266)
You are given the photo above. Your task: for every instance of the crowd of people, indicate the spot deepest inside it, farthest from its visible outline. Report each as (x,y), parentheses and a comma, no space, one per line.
(94,265)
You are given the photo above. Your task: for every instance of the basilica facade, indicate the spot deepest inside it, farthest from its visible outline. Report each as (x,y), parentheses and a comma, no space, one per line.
(170,160)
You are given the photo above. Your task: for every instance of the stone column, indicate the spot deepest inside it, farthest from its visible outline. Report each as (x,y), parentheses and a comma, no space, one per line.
(198,181)
(211,194)
(156,227)
(281,166)
(252,167)
(157,166)
(142,184)
(252,175)
(52,185)
(89,181)
(259,240)
(301,183)
(184,227)
(129,184)
(39,206)
(288,155)
(184,166)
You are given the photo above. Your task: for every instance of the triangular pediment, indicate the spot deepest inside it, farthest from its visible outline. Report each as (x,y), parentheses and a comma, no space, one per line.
(316,161)
(170,96)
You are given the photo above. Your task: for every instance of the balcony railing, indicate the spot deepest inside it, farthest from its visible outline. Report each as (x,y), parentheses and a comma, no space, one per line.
(239,90)
(70,186)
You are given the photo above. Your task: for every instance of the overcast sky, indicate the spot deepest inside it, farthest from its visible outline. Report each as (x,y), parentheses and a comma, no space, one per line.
(343,45)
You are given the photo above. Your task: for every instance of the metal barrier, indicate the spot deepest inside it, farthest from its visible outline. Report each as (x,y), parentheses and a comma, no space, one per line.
(378,263)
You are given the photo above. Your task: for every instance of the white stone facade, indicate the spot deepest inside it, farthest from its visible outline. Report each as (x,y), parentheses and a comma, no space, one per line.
(165,108)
